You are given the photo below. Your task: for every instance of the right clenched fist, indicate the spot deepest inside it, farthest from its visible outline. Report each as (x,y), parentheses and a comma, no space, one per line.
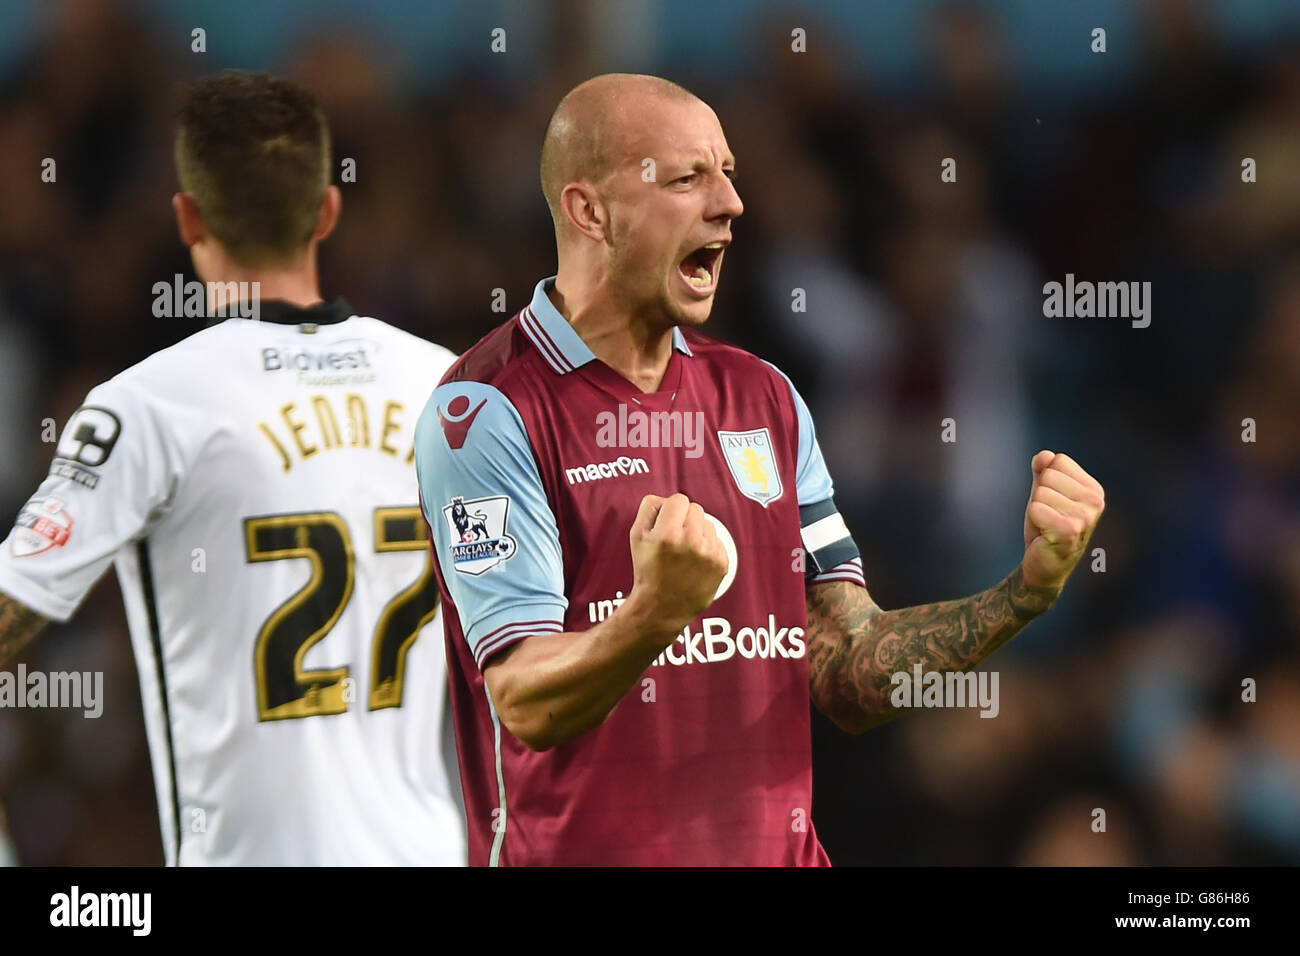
(677,560)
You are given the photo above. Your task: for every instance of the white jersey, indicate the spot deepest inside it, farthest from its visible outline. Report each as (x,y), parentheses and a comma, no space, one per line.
(255,487)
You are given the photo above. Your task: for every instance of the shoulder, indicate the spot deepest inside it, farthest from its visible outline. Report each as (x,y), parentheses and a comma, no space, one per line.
(191,365)
(476,389)
(470,419)
(170,400)
(416,364)
(411,347)
(496,359)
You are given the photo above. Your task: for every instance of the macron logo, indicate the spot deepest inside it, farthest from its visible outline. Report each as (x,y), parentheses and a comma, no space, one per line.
(457,419)
(607,469)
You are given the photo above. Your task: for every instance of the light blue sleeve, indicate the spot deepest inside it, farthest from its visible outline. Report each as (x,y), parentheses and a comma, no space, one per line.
(494,535)
(812,480)
(831,552)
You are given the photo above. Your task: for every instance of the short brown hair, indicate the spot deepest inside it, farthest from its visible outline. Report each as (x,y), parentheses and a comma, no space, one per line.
(254,152)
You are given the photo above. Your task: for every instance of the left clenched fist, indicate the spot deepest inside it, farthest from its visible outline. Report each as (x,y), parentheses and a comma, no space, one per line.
(1065,504)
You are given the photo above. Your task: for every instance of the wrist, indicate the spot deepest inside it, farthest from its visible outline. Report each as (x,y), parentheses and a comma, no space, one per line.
(1030,598)
(646,621)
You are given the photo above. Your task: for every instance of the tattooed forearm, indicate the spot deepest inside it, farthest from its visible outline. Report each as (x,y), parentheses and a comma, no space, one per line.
(18,625)
(855,648)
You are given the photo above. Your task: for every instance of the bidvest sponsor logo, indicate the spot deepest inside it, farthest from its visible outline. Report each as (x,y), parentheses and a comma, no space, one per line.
(345,362)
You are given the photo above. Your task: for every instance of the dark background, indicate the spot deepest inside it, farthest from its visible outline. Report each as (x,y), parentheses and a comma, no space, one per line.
(924,302)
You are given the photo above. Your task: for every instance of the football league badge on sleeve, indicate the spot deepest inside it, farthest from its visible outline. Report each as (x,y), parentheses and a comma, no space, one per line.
(44,523)
(753,464)
(478,533)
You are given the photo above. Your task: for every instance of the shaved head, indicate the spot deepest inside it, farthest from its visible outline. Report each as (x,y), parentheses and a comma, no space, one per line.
(591,129)
(638,175)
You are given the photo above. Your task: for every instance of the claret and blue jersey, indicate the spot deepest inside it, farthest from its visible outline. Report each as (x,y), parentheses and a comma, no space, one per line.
(533,457)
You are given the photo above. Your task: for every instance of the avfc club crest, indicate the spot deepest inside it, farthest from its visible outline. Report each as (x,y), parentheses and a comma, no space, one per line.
(478,533)
(753,464)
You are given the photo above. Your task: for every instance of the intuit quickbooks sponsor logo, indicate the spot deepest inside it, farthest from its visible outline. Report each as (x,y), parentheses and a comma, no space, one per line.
(951,689)
(717,642)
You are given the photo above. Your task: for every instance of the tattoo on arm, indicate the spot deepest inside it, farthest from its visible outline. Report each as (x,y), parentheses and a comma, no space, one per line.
(854,647)
(18,625)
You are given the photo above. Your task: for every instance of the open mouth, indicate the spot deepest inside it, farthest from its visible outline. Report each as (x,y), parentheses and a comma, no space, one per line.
(700,268)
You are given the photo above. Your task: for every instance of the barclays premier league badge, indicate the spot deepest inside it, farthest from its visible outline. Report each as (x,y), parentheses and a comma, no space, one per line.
(478,533)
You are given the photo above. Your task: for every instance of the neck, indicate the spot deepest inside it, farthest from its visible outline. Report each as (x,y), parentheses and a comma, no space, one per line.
(298,283)
(636,347)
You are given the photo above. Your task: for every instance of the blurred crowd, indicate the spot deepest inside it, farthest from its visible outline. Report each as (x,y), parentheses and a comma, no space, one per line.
(923,303)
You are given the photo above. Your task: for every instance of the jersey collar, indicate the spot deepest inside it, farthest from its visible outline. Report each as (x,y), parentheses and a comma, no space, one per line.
(556,339)
(322,313)
(285,313)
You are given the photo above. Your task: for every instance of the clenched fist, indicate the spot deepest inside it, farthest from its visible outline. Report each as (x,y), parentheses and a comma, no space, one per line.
(1065,504)
(677,560)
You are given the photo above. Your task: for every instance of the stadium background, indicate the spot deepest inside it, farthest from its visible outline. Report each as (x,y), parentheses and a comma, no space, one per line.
(924,302)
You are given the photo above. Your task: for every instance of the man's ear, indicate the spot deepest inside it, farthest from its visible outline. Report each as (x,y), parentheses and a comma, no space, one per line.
(330,210)
(584,210)
(189,221)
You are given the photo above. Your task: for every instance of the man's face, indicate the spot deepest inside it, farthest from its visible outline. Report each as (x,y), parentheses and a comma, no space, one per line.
(667,236)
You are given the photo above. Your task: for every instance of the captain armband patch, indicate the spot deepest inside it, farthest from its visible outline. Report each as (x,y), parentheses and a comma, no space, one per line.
(826,539)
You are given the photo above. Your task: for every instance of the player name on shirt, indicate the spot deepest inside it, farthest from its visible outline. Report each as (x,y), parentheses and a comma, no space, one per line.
(322,423)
